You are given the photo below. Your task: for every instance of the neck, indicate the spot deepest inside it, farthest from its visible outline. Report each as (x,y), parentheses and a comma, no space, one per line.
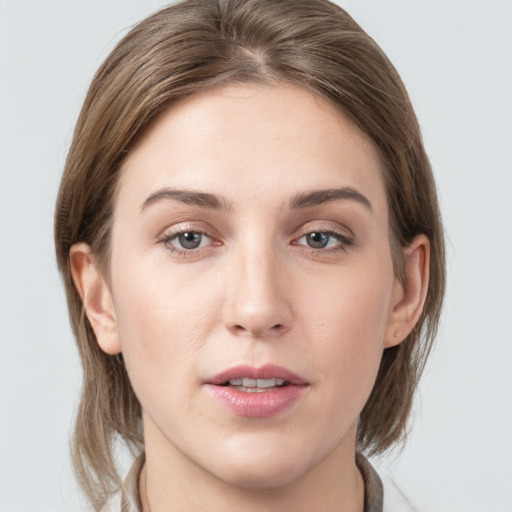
(171,482)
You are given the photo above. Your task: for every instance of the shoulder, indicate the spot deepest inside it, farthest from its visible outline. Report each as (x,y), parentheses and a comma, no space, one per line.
(382,494)
(128,499)
(394,499)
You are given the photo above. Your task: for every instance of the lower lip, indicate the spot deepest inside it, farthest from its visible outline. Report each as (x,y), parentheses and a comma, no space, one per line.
(257,405)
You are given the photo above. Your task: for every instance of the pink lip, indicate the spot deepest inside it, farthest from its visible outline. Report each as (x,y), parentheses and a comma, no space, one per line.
(257,405)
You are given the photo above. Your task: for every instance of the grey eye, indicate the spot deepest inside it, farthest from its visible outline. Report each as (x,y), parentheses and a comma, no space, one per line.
(329,240)
(190,239)
(317,240)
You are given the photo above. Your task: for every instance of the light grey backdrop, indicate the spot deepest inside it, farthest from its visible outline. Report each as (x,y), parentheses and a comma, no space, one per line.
(456,59)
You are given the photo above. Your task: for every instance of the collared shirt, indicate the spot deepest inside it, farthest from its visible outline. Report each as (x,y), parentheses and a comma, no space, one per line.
(373,489)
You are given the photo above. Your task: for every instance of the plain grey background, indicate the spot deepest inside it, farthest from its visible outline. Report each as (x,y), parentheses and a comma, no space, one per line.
(455,57)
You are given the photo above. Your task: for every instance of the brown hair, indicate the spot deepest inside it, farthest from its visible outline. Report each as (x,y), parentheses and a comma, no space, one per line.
(193,46)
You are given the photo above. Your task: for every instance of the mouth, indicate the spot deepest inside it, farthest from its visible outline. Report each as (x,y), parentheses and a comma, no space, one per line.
(251,377)
(257,392)
(248,385)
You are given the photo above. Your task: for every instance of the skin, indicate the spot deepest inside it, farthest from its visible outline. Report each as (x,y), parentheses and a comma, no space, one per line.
(253,292)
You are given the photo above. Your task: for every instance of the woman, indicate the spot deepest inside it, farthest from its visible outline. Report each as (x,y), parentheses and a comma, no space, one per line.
(249,234)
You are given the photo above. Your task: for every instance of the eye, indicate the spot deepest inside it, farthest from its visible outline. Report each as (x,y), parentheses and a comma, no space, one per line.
(190,239)
(186,241)
(324,240)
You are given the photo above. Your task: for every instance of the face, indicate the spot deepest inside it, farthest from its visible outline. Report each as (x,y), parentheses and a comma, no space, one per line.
(250,241)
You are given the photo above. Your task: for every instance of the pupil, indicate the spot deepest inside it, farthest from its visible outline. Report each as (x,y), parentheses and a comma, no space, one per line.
(317,240)
(190,240)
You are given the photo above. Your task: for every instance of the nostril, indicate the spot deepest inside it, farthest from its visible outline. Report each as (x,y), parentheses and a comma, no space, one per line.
(257,328)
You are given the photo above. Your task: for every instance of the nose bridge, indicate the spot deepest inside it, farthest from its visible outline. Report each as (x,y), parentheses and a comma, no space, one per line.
(257,302)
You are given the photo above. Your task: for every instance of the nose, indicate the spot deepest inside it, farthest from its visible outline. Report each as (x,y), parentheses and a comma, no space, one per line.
(257,297)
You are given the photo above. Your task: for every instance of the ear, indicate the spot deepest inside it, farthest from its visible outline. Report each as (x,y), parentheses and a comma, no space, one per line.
(409,295)
(96,297)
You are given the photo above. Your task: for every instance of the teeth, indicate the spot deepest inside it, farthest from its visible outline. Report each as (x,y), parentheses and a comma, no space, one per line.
(253,390)
(257,383)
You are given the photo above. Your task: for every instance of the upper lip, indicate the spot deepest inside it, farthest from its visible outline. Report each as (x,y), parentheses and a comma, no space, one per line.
(267,371)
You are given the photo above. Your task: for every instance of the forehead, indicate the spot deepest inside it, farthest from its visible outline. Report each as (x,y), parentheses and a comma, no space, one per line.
(251,140)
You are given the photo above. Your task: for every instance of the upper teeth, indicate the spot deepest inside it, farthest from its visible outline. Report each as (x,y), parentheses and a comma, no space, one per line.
(256,383)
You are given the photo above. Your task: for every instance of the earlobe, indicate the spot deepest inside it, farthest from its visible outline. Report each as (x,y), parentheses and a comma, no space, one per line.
(409,295)
(95,294)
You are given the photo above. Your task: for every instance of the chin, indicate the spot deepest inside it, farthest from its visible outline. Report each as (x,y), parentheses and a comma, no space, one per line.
(263,468)
(260,477)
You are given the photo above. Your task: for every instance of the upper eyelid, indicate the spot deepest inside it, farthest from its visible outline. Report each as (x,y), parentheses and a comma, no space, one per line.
(341,231)
(204,228)
(168,237)
(176,234)
(183,227)
(328,232)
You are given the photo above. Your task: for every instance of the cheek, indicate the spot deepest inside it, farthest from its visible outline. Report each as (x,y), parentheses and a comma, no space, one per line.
(347,323)
(163,319)
(349,305)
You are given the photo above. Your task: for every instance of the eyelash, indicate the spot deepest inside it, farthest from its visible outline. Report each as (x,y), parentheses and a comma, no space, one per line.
(167,241)
(345,242)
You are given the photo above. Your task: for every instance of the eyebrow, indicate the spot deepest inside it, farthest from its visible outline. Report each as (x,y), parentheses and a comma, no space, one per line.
(318,197)
(213,202)
(191,197)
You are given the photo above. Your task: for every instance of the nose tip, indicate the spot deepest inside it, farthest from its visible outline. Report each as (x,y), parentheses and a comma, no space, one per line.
(256,299)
